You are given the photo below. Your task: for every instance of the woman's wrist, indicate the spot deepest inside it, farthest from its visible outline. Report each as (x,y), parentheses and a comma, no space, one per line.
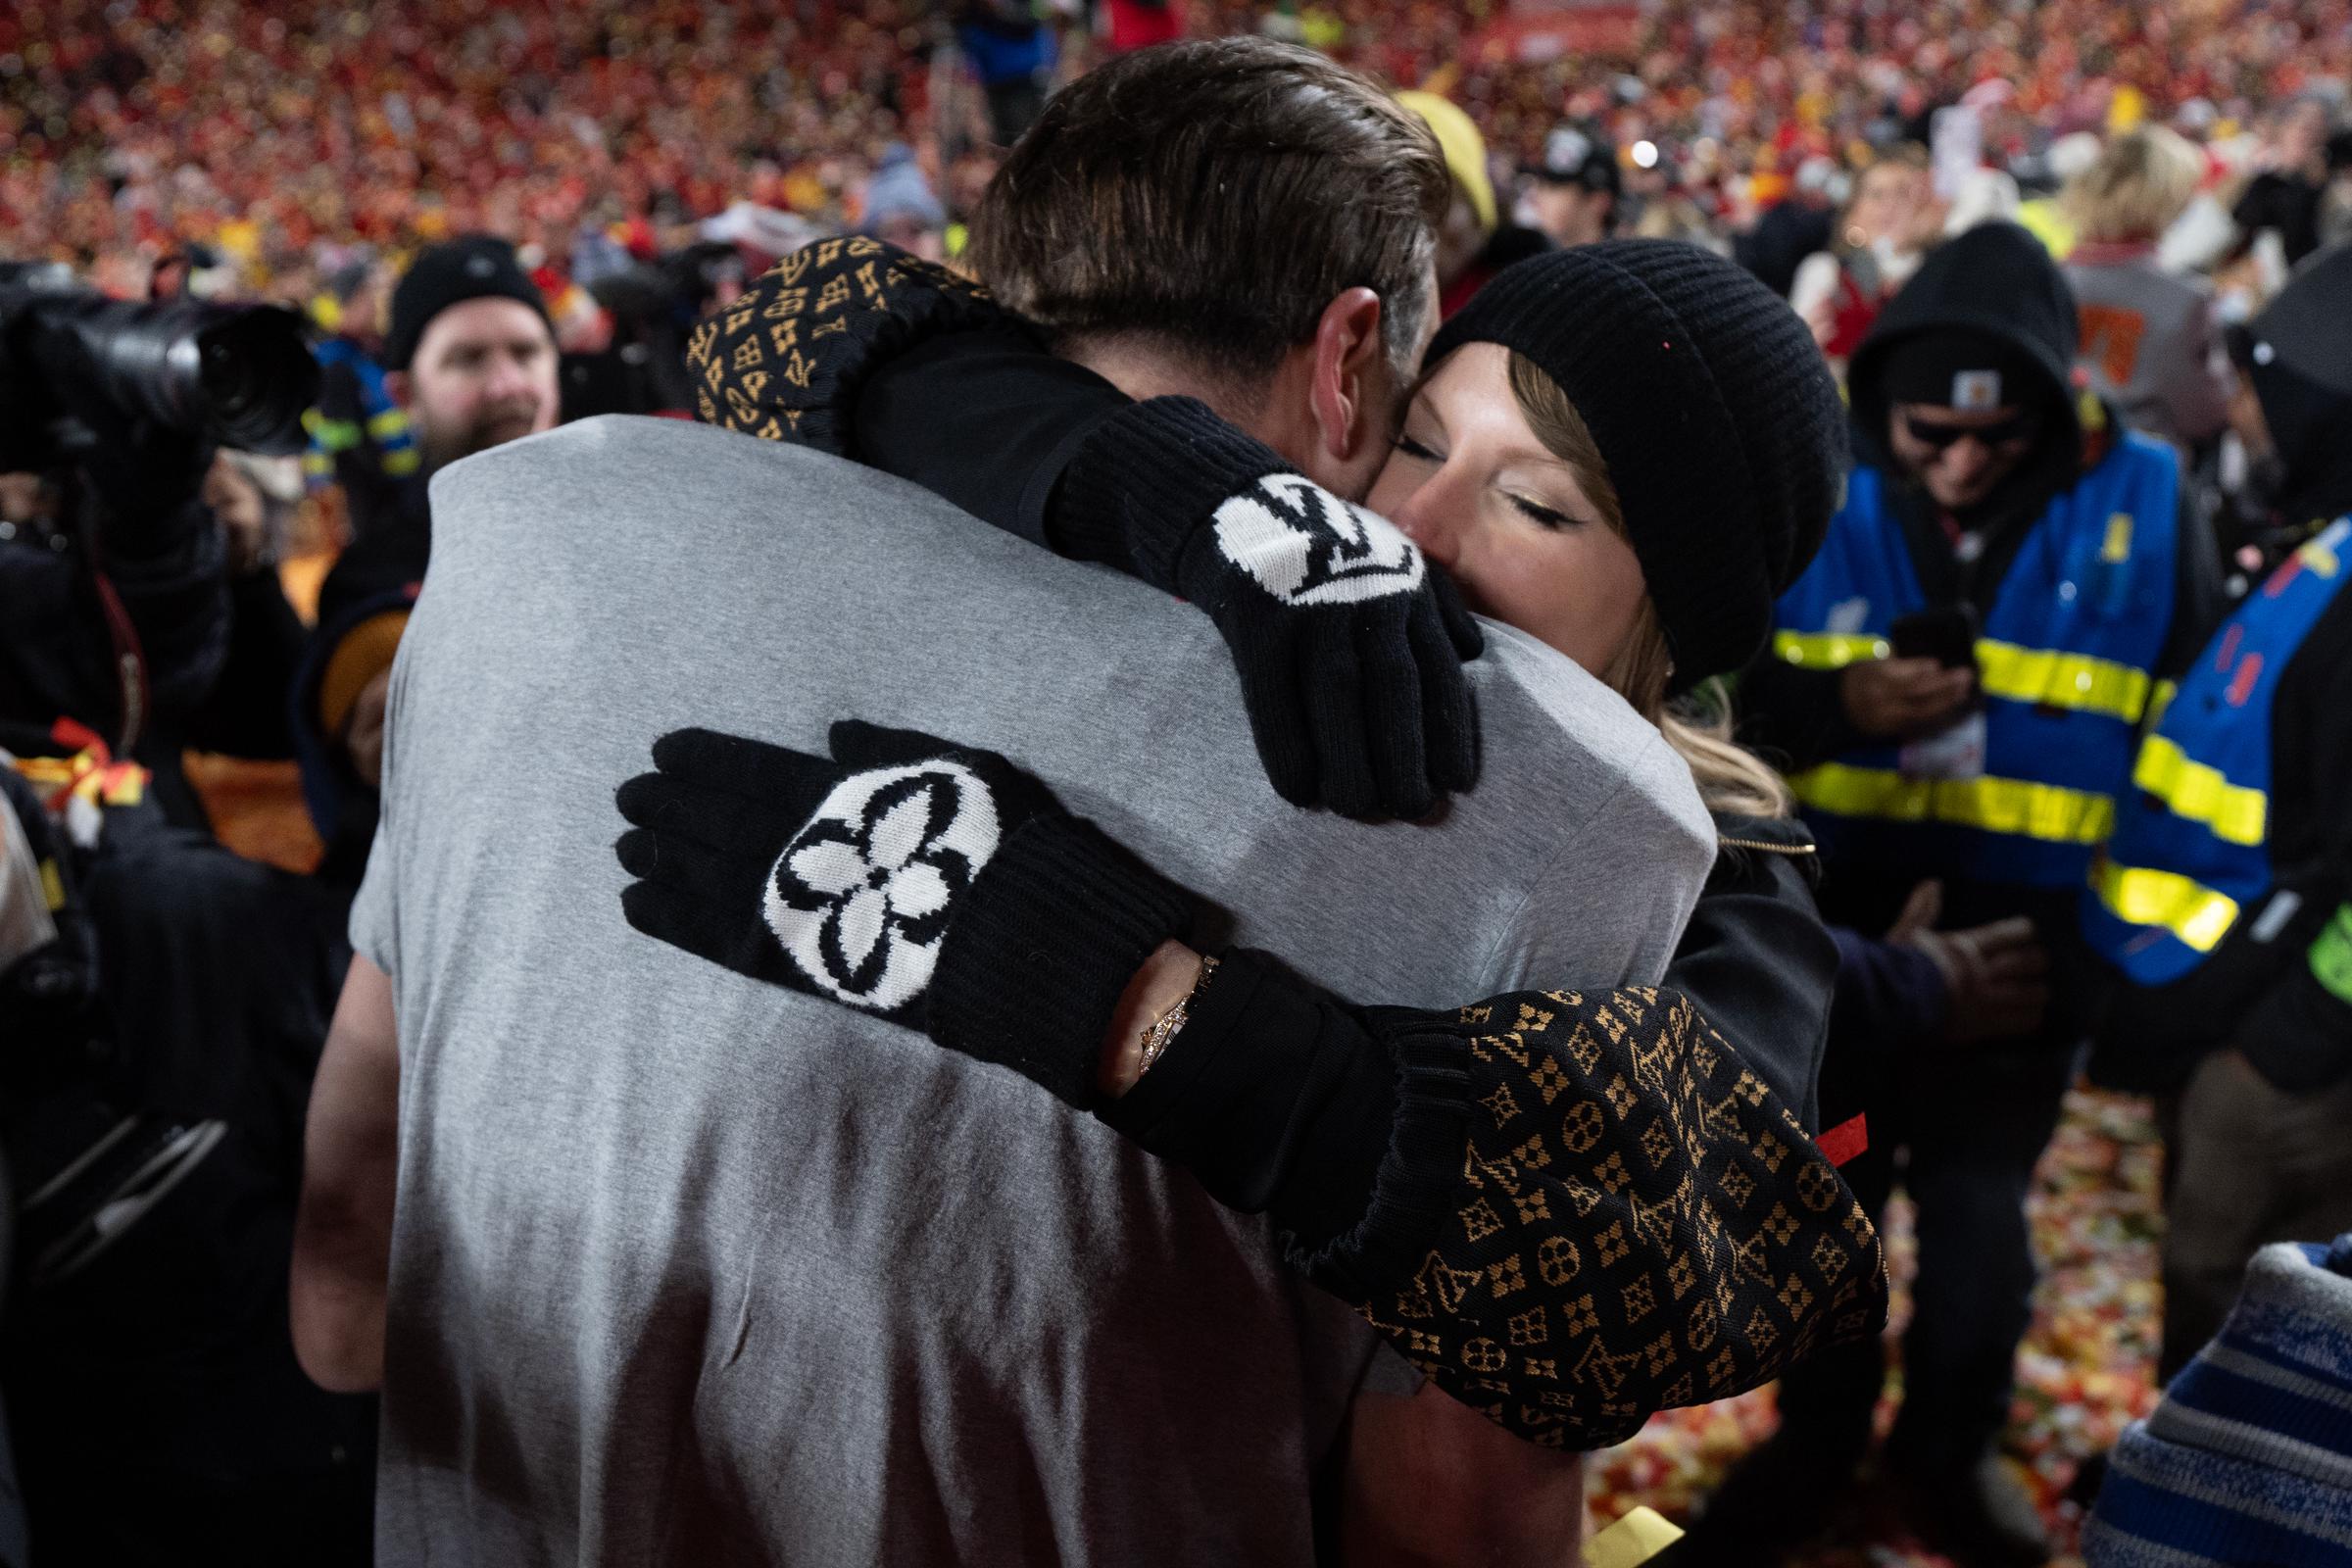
(1167,977)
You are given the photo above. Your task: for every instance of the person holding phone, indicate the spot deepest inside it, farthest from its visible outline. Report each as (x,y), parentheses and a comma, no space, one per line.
(1959,680)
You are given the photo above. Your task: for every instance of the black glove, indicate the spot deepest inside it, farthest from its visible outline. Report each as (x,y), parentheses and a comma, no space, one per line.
(938,887)
(1348,643)
(785,361)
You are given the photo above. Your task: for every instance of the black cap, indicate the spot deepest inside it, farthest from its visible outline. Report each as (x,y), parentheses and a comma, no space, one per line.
(1579,155)
(2297,354)
(471,266)
(1715,413)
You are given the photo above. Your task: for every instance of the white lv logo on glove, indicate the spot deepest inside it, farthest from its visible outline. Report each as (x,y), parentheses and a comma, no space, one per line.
(1305,546)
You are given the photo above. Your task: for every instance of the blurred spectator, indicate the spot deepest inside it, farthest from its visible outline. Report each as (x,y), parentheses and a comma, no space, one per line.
(1573,189)
(2284,198)
(2150,344)
(900,206)
(1932,676)
(1878,244)
(2224,902)
(1474,243)
(1794,227)
(1140,23)
(360,435)
(1013,53)
(2243,1461)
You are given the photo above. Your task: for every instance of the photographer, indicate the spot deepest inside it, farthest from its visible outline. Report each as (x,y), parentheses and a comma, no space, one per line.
(113,569)
(165,1012)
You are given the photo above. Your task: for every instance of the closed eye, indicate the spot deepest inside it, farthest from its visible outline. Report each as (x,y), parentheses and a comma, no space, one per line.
(1415,449)
(1542,515)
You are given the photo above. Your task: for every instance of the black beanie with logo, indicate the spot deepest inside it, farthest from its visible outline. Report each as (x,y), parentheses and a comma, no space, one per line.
(471,266)
(1713,409)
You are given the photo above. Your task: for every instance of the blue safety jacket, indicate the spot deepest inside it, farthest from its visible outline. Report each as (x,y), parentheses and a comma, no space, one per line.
(378,420)
(2066,661)
(2190,852)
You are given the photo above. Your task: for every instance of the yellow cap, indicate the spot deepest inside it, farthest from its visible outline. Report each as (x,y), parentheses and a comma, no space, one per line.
(1464,148)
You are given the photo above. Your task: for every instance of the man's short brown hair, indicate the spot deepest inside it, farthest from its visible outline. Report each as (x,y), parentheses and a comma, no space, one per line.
(1212,197)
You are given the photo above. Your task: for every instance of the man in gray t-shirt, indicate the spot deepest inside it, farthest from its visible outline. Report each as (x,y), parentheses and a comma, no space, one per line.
(685,1262)
(657,1263)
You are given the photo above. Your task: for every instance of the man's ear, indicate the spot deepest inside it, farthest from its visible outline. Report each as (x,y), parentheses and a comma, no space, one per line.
(1348,379)
(396,382)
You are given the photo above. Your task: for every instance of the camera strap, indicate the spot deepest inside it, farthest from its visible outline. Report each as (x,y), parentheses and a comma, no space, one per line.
(131,662)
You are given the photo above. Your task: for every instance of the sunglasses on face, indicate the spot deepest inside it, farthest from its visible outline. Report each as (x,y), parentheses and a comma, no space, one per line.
(1944,437)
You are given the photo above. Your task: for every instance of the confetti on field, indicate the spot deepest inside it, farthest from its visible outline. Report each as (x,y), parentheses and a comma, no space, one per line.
(2086,1369)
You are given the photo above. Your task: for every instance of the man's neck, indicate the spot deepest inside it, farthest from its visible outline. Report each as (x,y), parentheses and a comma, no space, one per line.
(1142,371)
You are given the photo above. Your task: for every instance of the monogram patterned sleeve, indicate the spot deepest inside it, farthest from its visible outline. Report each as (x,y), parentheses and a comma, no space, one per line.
(1632,1220)
(785,361)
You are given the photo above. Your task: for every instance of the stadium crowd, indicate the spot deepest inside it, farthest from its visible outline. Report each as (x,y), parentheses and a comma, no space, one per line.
(1974,729)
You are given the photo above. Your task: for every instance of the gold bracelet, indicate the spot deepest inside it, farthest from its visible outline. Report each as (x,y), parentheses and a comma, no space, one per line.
(1162,1030)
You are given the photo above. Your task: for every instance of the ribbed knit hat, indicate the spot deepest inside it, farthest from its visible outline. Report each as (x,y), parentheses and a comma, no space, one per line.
(1714,411)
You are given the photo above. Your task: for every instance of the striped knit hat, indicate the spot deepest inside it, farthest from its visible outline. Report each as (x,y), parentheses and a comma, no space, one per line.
(2248,1459)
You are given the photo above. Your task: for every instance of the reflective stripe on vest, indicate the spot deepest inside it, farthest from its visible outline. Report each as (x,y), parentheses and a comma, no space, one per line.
(2199,793)
(2064,666)
(1827,650)
(2050,679)
(2191,851)
(2197,916)
(1992,805)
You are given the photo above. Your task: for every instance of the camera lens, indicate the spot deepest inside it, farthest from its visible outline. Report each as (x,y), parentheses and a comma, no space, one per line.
(254,377)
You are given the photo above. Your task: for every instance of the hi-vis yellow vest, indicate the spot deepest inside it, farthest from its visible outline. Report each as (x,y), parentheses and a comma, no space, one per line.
(2066,661)
(2190,853)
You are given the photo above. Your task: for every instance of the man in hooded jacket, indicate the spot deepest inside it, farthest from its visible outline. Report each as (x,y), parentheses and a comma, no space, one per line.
(1958,683)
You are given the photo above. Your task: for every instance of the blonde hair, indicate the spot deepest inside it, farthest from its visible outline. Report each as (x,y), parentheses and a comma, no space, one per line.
(1730,778)
(2142,182)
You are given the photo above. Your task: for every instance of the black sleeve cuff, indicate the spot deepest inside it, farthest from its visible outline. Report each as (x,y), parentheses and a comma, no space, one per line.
(1151,477)
(986,419)
(1281,1099)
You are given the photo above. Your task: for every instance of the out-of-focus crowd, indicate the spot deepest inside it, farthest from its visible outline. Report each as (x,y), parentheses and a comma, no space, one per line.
(281,137)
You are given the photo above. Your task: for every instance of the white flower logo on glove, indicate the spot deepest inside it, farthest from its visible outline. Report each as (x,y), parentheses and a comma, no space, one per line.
(1305,546)
(860,896)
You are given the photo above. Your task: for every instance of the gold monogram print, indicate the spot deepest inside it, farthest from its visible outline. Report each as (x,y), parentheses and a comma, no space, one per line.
(781,362)
(1660,1232)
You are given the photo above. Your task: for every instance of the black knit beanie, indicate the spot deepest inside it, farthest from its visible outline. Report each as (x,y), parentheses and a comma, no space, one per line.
(471,266)
(1714,411)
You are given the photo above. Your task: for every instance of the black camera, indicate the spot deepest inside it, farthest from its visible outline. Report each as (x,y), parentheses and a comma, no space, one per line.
(239,376)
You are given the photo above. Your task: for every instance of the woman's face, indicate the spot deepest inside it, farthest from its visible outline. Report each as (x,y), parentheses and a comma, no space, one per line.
(1884,206)
(1474,488)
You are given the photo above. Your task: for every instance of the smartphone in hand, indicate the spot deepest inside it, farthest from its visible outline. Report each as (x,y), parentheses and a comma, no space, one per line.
(1946,633)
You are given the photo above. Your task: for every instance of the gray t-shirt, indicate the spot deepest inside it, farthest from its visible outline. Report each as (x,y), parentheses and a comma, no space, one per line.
(689,1268)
